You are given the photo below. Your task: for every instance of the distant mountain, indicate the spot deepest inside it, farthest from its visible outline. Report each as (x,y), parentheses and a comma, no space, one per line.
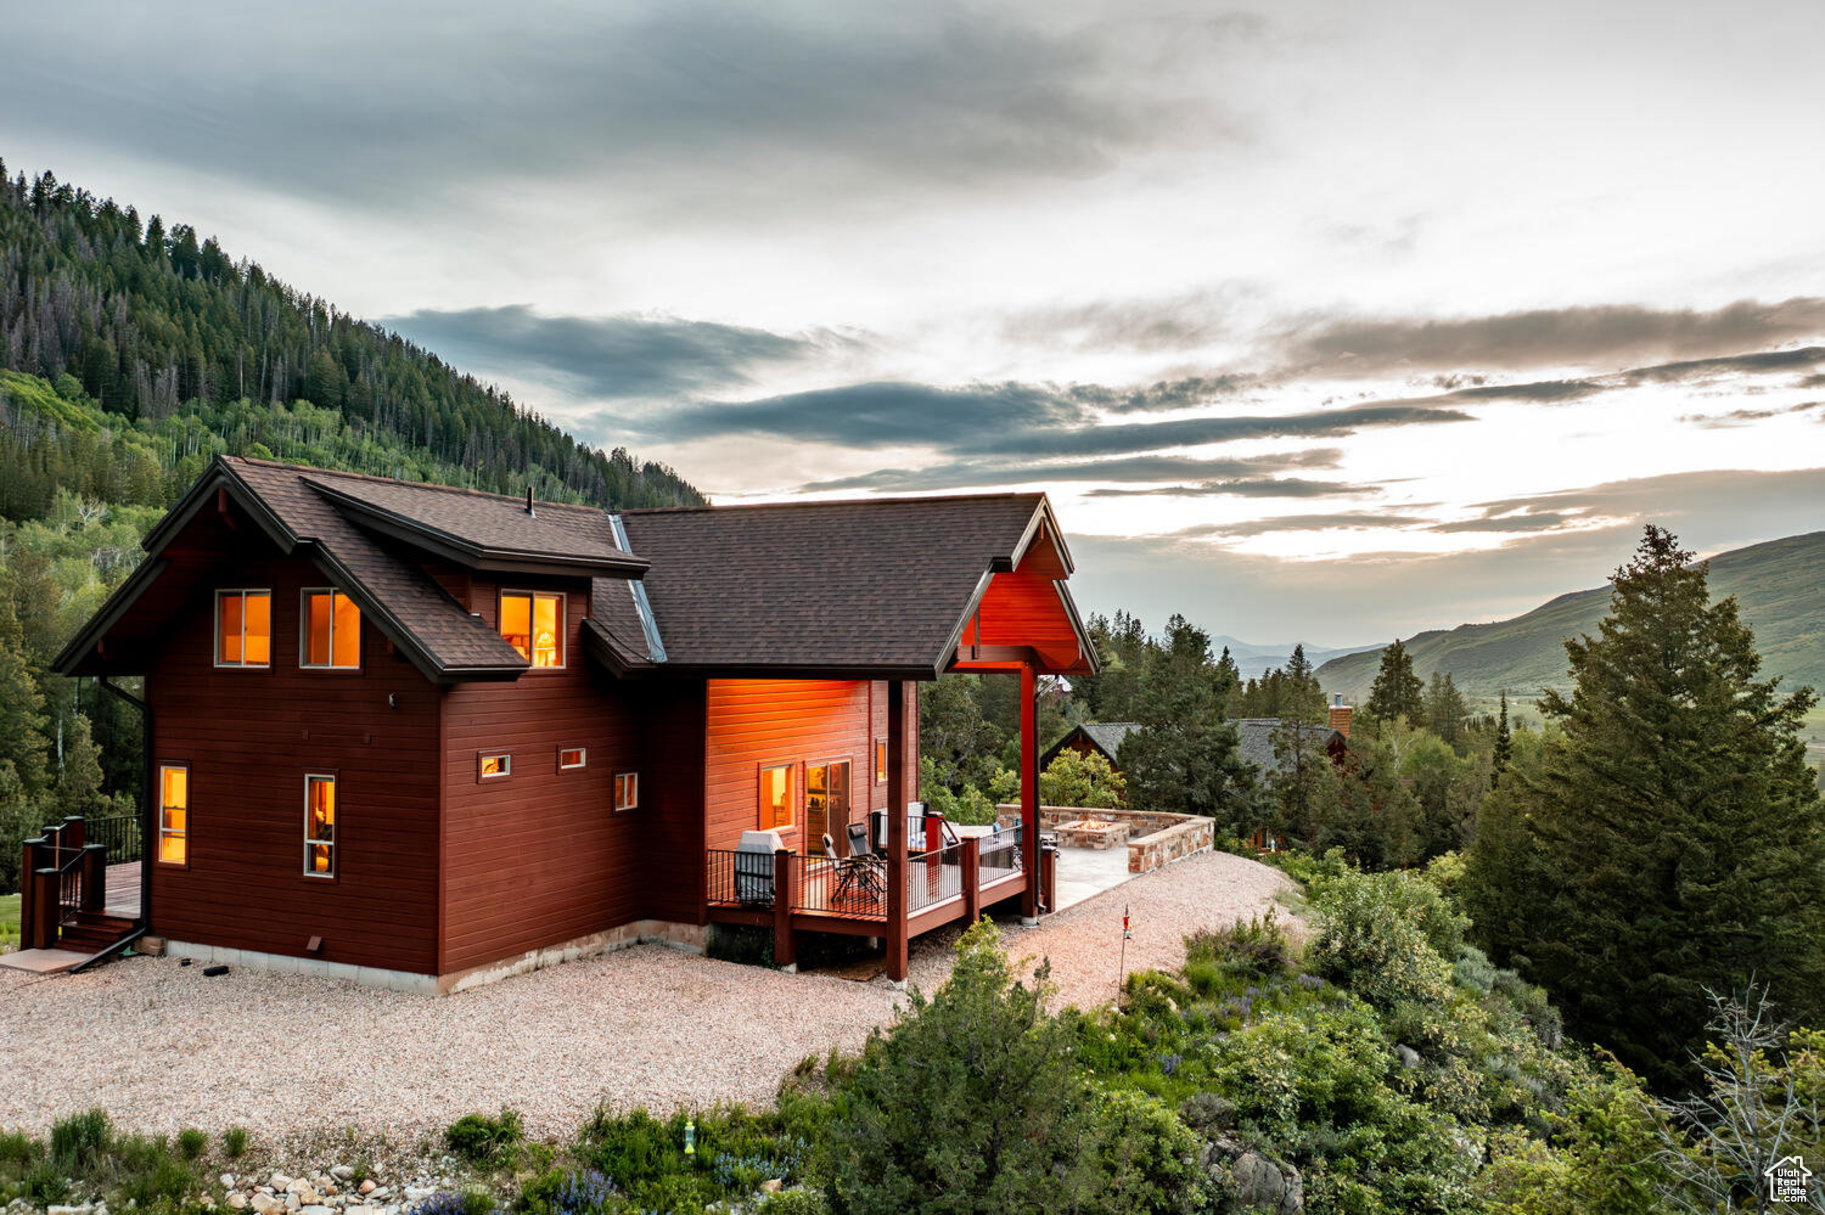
(172,351)
(1254,661)
(1778,585)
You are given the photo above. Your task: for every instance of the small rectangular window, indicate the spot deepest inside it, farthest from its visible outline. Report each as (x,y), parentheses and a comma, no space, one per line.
(490,766)
(331,628)
(572,757)
(532,622)
(320,826)
(173,814)
(243,628)
(627,791)
(880,761)
(776,796)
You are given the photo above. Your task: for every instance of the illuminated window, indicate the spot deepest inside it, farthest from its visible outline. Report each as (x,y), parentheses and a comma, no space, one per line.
(243,628)
(492,766)
(572,757)
(332,631)
(776,796)
(627,791)
(826,800)
(533,623)
(320,826)
(173,814)
(880,761)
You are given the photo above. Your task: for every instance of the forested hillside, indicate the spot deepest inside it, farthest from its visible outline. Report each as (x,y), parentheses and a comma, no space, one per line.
(1776,584)
(188,351)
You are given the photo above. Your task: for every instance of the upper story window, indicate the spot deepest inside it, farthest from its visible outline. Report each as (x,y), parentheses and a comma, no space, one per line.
(243,628)
(331,631)
(533,623)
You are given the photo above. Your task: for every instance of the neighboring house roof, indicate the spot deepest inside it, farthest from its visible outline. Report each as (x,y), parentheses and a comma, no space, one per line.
(1104,736)
(879,588)
(1257,740)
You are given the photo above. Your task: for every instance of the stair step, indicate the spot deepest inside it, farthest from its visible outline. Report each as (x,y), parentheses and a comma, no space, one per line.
(103,921)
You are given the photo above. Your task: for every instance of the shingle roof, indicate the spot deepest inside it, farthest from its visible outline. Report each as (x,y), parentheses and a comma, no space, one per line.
(1257,735)
(478,527)
(454,639)
(874,584)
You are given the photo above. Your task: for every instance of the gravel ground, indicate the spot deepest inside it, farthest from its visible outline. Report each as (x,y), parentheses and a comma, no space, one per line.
(161,1047)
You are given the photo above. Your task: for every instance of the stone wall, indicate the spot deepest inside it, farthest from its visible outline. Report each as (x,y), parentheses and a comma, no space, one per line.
(1154,839)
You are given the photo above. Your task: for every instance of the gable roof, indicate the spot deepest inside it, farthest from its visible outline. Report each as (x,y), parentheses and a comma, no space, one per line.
(1257,740)
(1104,736)
(877,588)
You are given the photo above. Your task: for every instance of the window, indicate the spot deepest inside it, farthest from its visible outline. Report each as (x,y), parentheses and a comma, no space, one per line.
(627,791)
(173,814)
(880,761)
(243,628)
(331,631)
(776,796)
(493,766)
(533,623)
(572,757)
(826,800)
(320,826)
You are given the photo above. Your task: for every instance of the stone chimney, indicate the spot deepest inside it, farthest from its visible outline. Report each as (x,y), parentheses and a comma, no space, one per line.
(1340,714)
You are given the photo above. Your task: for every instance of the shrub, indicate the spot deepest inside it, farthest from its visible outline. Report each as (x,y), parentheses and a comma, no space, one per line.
(1473,970)
(473,1201)
(18,1150)
(234,1142)
(191,1142)
(1387,936)
(794,1202)
(168,1180)
(1146,1160)
(45,1184)
(1254,950)
(79,1142)
(482,1140)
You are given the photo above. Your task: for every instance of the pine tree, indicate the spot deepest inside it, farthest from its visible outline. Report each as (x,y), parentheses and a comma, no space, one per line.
(1397,691)
(1678,836)
(22,720)
(79,785)
(1446,709)
(1504,743)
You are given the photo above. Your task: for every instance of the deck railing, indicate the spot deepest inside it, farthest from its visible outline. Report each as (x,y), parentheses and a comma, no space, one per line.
(119,834)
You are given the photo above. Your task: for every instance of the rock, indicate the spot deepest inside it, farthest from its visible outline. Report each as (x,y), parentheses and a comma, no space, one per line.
(227,1180)
(343,1172)
(237,1200)
(316,1210)
(772,1186)
(418,1193)
(368,1186)
(1409,1058)
(264,1203)
(278,1182)
(84,1209)
(379,1193)
(1263,1185)
(292,1201)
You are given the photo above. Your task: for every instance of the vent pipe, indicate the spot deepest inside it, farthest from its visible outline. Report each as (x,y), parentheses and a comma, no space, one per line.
(529,510)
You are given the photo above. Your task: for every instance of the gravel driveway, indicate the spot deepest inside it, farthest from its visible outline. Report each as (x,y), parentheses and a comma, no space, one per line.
(161,1047)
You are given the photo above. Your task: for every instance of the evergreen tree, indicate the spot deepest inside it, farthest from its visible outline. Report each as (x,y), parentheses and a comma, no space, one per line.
(1186,757)
(1678,839)
(22,720)
(79,784)
(1446,710)
(1504,743)
(1397,691)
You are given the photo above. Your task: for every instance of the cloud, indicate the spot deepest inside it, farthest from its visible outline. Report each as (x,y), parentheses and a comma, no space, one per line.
(1121,469)
(1762,363)
(709,104)
(608,356)
(1735,504)
(1252,487)
(1531,521)
(1011,420)
(1598,336)
(1743,417)
(1181,322)
(1339,521)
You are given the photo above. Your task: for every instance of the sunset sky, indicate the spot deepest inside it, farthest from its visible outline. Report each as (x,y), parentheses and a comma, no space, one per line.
(1328,321)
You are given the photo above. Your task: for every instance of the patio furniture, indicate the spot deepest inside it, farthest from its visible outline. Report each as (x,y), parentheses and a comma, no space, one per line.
(859,875)
(754,867)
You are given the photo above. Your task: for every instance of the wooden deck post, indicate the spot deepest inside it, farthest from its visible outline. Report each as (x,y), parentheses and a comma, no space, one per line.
(899,796)
(44,910)
(29,865)
(94,877)
(785,894)
(972,879)
(1029,790)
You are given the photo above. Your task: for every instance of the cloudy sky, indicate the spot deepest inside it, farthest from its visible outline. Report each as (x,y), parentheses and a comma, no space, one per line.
(1317,319)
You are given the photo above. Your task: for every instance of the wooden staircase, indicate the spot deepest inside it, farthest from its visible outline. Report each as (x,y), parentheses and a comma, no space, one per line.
(65,894)
(92,931)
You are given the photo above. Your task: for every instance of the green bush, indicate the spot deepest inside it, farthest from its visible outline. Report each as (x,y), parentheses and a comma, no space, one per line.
(45,1184)
(168,1180)
(79,1142)
(794,1202)
(191,1142)
(17,1151)
(485,1141)
(1146,1160)
(1387,936)
(234,1142)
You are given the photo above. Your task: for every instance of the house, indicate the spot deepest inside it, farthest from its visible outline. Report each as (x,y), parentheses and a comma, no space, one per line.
(424,736)
(1102,738)
(1259,736)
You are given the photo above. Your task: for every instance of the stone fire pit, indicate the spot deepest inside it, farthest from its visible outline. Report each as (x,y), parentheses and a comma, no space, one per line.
(1091,833)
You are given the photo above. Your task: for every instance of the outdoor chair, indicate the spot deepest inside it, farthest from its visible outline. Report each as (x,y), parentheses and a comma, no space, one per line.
(859,874)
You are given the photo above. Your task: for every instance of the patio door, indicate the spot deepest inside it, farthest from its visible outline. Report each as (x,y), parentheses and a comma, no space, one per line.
(826,803)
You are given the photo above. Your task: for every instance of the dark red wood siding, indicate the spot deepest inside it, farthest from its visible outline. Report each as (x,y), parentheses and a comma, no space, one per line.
(539,857)
(249,737)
